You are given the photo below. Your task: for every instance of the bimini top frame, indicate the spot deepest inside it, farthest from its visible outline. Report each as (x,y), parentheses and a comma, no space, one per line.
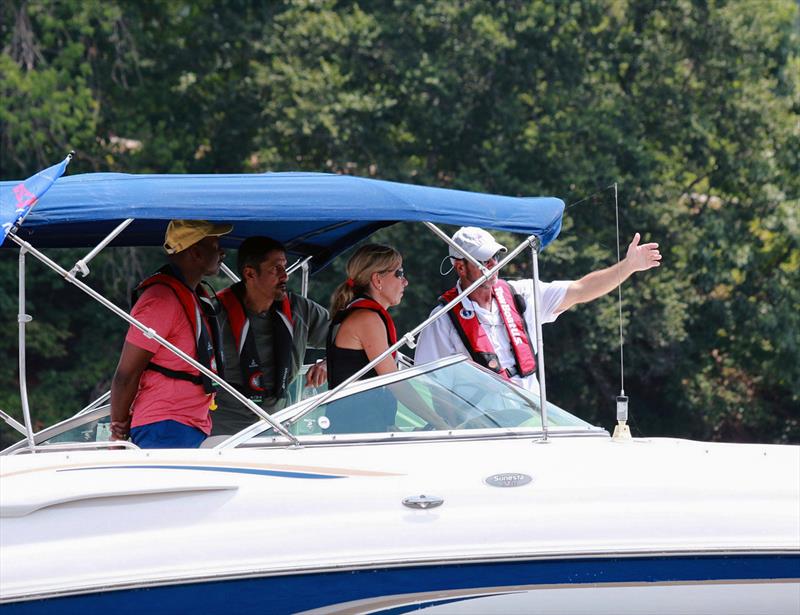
(315,215)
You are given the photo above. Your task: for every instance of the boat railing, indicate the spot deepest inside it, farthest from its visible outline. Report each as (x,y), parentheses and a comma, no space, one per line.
(12,422)
(95,404)
(75,446)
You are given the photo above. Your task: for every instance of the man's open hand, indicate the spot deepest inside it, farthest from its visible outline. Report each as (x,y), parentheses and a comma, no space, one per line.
(642,257)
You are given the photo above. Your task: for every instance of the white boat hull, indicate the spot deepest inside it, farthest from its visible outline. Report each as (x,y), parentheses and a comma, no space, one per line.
(667,522)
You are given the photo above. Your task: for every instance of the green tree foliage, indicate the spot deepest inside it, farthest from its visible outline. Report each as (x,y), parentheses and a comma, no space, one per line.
(691,107)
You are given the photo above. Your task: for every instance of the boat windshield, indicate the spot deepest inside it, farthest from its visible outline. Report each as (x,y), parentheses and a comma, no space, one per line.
(458,396)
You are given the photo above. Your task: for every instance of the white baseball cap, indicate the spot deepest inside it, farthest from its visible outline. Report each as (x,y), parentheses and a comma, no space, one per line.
(476,242)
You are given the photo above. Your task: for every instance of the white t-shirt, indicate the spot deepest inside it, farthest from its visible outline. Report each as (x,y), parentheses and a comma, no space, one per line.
(440,339)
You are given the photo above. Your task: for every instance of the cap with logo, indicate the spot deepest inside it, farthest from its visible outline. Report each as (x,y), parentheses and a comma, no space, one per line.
(182,234)
(476,242)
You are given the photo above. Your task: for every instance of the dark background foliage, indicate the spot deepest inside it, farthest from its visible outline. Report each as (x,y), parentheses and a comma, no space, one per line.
(690,106)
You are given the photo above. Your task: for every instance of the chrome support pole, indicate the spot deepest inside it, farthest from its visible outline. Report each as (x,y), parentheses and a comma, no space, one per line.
(12,422)
(96,403)
(291,269)
(150,333)
(304,279)
(302,262)
(537,304)
(82,264)
(22,320)
(228,272)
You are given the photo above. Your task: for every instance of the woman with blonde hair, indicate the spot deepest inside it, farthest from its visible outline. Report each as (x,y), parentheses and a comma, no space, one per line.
(361,330)
(361,327)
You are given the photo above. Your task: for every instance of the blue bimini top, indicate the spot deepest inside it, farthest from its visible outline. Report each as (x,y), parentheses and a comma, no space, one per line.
(313,214)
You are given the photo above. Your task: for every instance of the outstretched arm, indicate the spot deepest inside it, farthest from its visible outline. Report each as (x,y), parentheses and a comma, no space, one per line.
(598,283)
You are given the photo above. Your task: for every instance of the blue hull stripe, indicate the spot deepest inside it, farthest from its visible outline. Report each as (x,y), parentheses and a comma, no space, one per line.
(408,608)
(290,594)
(279,473)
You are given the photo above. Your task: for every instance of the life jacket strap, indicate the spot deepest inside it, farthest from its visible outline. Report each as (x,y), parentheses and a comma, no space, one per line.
(202,319)
(173,373)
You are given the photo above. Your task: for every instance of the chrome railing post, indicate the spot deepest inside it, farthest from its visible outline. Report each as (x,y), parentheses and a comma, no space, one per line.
(537,311)
(228,272)
(304,279)
(82,265)
(22,320)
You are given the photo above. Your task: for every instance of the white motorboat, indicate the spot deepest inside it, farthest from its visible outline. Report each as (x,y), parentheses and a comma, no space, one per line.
(519,507)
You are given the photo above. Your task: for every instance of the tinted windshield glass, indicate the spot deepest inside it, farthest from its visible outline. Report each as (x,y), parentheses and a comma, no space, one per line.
(458,396)
(95,430)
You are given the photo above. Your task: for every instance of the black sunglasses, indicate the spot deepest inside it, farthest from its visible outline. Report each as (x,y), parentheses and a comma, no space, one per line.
(398,273)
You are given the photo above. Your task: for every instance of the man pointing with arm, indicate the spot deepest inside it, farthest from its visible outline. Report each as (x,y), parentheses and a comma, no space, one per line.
(495,324)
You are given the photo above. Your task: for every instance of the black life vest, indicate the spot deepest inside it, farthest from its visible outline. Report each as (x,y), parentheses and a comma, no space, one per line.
(477,341)
(255,387)
(200,313)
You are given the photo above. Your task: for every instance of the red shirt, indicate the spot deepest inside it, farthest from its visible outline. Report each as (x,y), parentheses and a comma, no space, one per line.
(159,397)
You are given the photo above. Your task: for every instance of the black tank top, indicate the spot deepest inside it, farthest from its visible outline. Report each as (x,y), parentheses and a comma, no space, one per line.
(344,362)
(371,411)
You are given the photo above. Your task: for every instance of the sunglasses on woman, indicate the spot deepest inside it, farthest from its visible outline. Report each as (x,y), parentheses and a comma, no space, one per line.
(398,273)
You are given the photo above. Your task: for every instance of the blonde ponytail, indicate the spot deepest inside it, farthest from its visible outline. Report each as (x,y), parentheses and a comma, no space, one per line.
(368,259)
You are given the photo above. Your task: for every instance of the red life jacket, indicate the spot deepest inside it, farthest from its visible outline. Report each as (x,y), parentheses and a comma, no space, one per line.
(477,341)
(197,306)
(255,387)
(365,303)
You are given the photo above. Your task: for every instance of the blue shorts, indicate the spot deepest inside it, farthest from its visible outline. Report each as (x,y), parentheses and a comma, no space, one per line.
(167,434)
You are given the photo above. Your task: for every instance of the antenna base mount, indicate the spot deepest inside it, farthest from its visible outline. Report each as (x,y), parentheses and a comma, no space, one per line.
(622,431)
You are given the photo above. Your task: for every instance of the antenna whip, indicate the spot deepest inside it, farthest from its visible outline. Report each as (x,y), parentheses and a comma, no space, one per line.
(621,431)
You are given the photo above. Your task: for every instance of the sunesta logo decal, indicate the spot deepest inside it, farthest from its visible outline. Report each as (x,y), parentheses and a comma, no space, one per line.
(508,479)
